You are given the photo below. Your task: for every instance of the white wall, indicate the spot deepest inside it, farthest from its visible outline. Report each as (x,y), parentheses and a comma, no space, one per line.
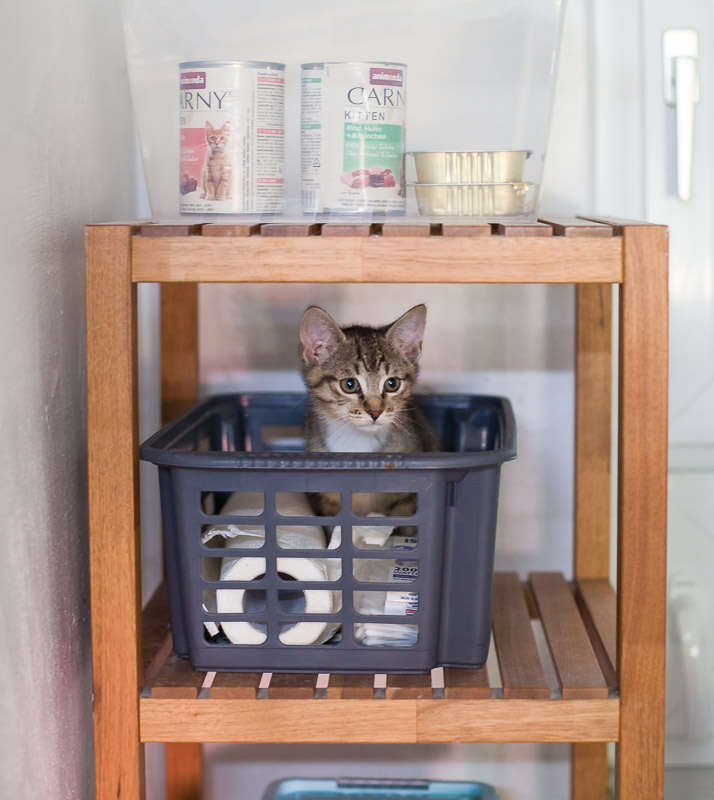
(67,146)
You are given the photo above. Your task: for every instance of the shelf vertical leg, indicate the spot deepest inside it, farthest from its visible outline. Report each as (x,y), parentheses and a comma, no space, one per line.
(591,558)
(113,512)
(179,390)
(589,771)
(642,506)
(183,771)
(179,348)
(593,370)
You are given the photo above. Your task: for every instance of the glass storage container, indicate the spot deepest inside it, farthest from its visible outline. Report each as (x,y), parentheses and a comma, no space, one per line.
(475,76)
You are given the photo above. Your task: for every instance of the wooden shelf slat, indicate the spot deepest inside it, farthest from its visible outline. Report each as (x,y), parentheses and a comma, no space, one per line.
(522,229)
(350,687)
(466,230)
(152,229)
(290,229)
(618,223)
(572,226)
(155,631)
(291,686)
(235,686)
(223,229)
(597,603)
(348,229)
(377,259)
(408,687)
(407,228)
(177,680)
(574,659)
(521,670)
(466,684)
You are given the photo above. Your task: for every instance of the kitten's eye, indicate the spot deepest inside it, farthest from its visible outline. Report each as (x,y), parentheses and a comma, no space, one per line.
(349,385)
(392,384)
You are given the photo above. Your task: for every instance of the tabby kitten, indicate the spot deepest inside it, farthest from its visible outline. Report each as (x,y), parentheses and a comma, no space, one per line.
(359,382)
(217,173)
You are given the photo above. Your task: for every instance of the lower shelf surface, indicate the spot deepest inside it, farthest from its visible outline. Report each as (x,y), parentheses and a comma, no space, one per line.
(550,677)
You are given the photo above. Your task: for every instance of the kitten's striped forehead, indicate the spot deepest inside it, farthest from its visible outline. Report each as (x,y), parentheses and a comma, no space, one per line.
(368,348)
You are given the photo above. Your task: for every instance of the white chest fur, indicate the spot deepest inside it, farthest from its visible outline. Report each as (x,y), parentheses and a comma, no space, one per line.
(341,438)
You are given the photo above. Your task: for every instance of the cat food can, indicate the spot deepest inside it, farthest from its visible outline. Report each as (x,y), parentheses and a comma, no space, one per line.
(232,147)
(353,138)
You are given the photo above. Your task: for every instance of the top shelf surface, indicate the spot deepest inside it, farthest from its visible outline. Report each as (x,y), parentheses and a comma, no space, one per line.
(559,250)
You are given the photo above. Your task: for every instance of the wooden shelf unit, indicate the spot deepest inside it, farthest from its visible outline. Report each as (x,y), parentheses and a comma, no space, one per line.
(597,674)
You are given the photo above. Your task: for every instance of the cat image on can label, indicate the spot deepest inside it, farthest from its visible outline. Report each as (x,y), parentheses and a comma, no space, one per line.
(232,130)
(353,138)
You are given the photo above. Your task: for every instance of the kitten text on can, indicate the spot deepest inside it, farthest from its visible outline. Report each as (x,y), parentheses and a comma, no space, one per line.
(353,138)
(232,128)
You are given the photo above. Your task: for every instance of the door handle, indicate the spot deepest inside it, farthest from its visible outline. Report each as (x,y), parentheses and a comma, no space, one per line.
(681,90)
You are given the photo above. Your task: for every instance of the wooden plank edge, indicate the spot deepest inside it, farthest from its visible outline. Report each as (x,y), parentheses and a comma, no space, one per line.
(596,686)
(405,229)
(293,721)
(290,229)
(511,616)
(235,686)
(133,224)
(467,684)
(177,679)
(475,231)
(369,721)
(408,687)
(224,230)
(577,720)
(350,687)
(155,625)
(605,653)
(435,259)
(151,229)
(575,227)
(152,671)
(618,223)
(292,686)
(351,229)
(521,229)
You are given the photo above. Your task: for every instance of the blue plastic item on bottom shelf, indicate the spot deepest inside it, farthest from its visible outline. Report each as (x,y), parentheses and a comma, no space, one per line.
(378,789)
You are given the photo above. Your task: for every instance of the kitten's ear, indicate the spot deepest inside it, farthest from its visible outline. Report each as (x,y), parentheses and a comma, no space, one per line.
(319,335)
(407,332)
(209,127)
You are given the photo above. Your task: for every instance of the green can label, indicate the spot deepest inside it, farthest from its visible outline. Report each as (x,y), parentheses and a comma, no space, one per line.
(353,138)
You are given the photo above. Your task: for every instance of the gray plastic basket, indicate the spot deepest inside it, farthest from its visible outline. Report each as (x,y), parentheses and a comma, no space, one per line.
(251,443)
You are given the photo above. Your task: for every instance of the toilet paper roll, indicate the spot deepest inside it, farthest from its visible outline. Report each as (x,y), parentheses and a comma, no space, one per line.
(249,535)
(250,504)
(317,601)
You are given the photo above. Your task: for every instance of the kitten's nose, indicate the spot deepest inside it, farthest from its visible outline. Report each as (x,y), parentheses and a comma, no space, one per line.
(374,413)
